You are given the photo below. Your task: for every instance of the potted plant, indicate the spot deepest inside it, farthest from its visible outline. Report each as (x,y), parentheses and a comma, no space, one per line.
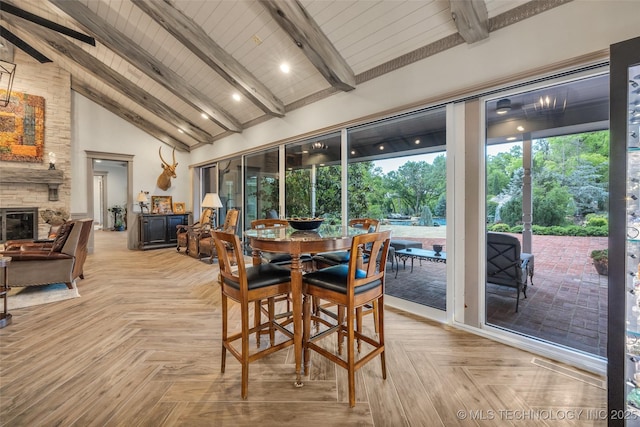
(118,217)
(600,259)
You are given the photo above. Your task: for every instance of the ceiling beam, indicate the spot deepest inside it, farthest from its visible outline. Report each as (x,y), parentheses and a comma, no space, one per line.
(141,59)
(127,115)
(67,49)
(185,30)
(291,16)
(9,8)
(23,46)
(471,19)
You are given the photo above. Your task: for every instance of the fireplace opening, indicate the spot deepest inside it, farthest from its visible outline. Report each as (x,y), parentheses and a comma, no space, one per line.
(18,223)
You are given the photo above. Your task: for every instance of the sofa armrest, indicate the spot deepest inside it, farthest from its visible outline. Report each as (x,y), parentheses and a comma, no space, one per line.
(17,256)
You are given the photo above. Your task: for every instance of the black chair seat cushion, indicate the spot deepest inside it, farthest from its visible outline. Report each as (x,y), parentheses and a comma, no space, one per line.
(335,279)
(333,258)
(262,275)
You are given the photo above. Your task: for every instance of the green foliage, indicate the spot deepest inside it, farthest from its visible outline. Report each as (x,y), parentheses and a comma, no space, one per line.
(600,254)
(426,218)
(511,211)
(550,208)
(500,228)
(594,220)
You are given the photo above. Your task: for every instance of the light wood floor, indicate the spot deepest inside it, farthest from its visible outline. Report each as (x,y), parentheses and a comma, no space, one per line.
(141,346)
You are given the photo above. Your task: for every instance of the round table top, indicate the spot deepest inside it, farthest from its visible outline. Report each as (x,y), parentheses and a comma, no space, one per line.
(289,234)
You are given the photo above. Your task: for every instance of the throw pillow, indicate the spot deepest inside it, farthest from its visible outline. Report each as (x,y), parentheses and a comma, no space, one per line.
(62,236)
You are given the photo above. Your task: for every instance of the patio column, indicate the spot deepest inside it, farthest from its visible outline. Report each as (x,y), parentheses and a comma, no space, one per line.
(313,191)
(527,194)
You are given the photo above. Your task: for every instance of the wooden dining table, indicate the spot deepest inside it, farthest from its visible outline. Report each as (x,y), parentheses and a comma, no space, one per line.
(296,243)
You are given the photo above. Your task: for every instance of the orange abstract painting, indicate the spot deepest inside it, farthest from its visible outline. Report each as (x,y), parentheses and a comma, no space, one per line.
(22,128)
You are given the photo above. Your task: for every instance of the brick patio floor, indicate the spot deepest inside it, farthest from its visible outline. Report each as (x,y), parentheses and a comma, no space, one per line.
(567,304)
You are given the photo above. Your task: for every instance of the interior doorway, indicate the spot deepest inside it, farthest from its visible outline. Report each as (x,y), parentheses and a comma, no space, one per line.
(119,169)
(99,200)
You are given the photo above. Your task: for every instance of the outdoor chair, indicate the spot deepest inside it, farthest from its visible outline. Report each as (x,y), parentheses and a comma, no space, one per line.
(328,259)
(505,266)
(247,285)
(351,287)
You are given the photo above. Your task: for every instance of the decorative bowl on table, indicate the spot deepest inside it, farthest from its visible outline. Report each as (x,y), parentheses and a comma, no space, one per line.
(437,249)
(305,223)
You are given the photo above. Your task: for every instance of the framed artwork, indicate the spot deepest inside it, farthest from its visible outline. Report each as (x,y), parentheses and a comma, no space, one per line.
(22,128)
(161,205)
(179,208)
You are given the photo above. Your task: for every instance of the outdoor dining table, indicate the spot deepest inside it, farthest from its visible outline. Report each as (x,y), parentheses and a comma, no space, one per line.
(296,242)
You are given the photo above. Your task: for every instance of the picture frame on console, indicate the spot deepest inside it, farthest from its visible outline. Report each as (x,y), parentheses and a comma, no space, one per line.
(179,208)
(161,205)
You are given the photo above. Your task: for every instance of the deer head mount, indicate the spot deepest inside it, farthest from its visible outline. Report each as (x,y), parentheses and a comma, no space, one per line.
(168,171)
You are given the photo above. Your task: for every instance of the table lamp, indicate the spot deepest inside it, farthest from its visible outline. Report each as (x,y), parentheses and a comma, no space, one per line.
(142,200)
(212,201)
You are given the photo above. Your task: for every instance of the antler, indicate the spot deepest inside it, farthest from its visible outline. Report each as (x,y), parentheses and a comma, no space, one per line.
(163,161)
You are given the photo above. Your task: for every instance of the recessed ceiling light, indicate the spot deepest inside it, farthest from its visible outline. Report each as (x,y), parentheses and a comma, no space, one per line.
(417,141)
(305,151)
(381,147)
(284,67)
(236,97)
(353,152)
(520,128)
(204,116)
(180,130)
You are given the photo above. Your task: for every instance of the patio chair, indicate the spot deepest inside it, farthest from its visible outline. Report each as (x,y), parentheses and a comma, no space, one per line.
(504,264)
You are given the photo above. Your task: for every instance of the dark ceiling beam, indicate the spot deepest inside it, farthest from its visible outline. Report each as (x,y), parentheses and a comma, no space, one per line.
(36,34)
(127,115)
(23,46)
(291,16)
(141,59)
(9,8)
(471,19)
(185,30)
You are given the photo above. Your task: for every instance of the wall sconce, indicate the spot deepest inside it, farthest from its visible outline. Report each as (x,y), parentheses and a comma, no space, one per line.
(142,200)
(52,160)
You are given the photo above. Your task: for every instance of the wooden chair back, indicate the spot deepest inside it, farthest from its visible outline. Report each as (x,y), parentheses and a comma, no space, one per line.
(370,224)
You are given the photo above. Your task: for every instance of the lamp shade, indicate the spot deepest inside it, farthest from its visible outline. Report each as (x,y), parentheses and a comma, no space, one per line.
(142,198)
(211,200)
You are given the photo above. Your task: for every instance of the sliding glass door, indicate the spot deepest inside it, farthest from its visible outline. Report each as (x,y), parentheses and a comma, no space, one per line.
(547,162)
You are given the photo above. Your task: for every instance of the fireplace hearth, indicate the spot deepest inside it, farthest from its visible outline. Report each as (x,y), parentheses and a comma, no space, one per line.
(18,223)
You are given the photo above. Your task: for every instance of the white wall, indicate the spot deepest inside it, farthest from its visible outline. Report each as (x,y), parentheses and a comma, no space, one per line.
(568,31)
(96,129)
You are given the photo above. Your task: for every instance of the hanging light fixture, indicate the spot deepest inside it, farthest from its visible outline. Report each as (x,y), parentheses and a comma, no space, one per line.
(7,72)
(503,106)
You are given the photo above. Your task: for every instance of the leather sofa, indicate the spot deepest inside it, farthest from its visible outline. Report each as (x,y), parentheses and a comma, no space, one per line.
(61,263)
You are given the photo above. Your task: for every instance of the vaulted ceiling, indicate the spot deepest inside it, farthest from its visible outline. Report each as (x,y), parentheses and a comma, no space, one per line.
(173,67)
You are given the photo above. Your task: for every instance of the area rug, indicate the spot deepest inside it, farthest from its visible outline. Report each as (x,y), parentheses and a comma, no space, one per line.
(28,296)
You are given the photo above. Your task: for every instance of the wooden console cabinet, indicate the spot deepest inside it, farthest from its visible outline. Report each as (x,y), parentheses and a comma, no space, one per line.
(158,230)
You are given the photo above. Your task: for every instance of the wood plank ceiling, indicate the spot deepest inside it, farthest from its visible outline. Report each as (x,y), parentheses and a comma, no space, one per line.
(172,67)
